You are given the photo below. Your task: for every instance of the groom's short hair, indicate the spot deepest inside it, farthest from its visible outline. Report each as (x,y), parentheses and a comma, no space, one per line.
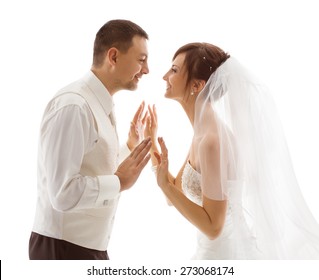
(116,33)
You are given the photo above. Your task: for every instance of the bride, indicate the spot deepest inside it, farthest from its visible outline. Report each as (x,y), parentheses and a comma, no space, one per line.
(237,185)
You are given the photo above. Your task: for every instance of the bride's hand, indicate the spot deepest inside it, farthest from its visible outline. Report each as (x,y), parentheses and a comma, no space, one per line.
(162,165)
(137,128)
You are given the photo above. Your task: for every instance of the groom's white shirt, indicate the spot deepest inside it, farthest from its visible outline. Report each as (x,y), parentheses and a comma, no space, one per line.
(78,154)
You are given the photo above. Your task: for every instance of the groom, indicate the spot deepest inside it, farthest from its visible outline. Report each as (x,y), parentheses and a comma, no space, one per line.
(79,176)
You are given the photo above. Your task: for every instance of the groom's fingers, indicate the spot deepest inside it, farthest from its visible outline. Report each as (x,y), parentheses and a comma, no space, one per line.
(145,118)
(141,150)
(143,163)
(138,113)
(140,157)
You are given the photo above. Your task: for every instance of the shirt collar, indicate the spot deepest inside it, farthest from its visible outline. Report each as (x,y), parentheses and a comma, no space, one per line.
(100,91)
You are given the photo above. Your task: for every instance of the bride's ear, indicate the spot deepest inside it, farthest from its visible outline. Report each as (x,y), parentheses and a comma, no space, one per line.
(198,85)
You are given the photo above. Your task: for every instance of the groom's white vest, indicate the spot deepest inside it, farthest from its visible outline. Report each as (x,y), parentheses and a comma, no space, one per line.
(90,228)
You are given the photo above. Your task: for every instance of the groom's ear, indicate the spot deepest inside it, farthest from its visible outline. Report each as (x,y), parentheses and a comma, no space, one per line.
(111,56)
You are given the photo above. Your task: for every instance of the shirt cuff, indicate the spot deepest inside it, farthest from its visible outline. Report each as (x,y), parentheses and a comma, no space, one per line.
(109,188)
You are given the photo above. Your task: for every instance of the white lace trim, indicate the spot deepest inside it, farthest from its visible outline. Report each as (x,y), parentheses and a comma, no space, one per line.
(191,184)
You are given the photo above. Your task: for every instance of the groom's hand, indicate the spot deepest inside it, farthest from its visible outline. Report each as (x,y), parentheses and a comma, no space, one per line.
(137,127)
(130,169)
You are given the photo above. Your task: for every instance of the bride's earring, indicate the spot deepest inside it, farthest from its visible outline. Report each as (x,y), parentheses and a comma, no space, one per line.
(192,93)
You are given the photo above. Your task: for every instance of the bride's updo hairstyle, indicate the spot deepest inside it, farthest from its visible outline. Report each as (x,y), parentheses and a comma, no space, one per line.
(201,60)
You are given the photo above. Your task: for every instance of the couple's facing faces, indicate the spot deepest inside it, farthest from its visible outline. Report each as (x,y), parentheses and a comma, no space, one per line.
(128,67)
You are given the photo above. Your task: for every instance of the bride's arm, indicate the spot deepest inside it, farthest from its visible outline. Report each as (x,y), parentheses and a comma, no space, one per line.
(208,218)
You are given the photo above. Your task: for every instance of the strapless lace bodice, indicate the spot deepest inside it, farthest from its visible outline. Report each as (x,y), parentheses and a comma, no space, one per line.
(191,184)
(236,241)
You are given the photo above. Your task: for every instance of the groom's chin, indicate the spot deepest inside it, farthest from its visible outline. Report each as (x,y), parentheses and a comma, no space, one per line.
(132,86)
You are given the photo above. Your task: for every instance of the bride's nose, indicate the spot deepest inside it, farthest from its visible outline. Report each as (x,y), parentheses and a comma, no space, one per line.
(165,77)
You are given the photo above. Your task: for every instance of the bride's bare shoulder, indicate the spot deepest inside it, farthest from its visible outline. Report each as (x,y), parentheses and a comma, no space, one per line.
(209,143)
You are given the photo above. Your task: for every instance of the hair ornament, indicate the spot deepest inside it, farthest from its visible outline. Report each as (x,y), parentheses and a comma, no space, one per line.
(210,67)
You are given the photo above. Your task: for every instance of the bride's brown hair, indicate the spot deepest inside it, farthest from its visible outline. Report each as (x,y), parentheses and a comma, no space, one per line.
(201,60)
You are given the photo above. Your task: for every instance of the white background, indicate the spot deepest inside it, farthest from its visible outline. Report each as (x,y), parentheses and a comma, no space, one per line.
(47,44)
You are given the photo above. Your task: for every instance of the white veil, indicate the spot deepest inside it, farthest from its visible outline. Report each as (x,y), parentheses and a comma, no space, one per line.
(257,177)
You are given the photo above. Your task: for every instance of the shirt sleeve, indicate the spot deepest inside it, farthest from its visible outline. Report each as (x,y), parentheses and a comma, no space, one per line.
(66,135)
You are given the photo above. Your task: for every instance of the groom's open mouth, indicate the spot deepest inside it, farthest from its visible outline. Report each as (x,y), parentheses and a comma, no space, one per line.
(137,78)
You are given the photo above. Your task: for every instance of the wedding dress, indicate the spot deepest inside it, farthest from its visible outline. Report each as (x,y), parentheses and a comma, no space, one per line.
(224,246)
(267,216)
